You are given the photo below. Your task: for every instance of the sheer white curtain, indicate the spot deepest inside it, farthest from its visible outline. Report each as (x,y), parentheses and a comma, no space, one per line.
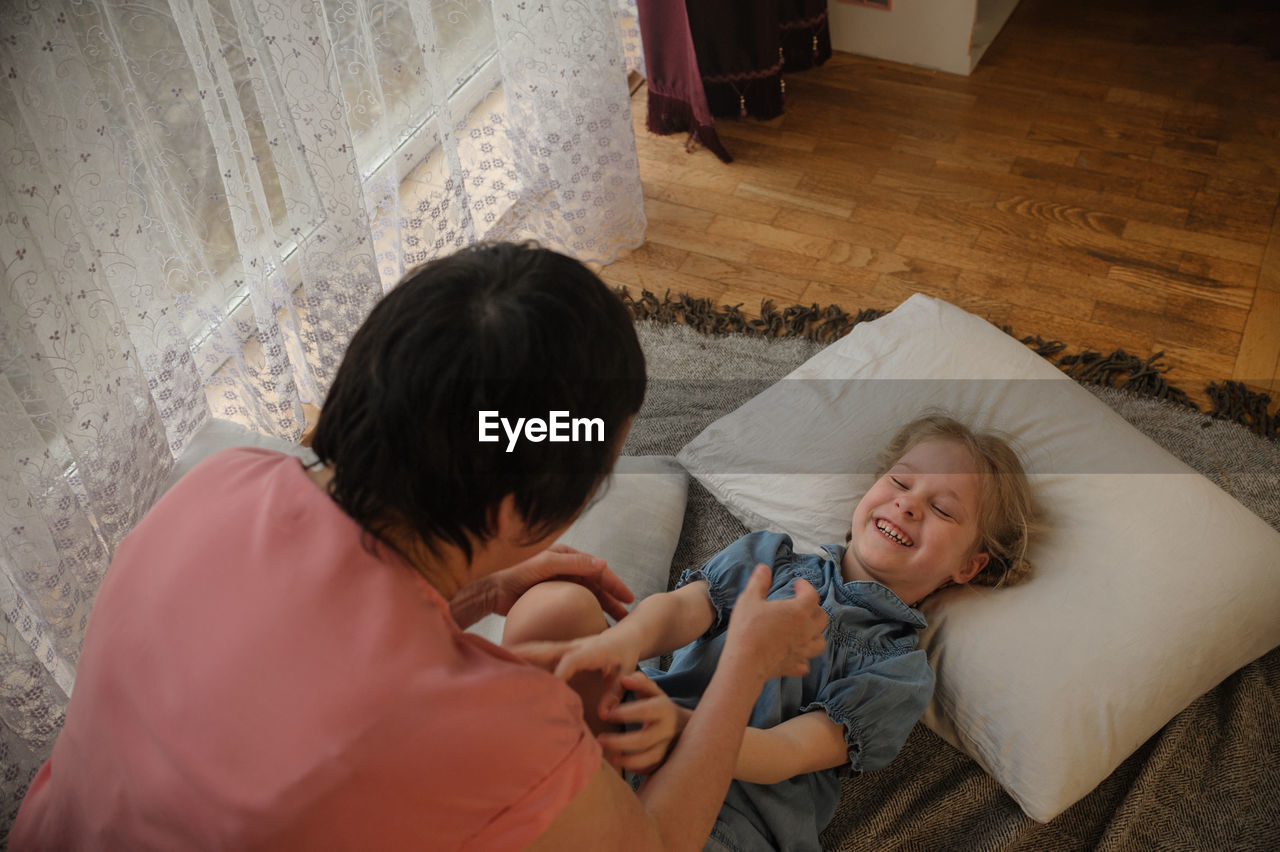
(201,201)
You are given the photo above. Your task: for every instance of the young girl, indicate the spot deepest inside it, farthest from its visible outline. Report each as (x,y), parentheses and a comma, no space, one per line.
(950,506)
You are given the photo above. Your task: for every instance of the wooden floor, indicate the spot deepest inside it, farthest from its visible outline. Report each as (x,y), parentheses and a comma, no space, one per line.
(1108,176)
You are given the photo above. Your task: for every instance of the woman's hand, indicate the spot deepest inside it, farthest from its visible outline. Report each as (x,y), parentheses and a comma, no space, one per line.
(657,720)
(775,638)
(497,592)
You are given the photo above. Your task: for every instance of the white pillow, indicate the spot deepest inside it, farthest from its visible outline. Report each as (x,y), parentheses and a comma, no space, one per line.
(634,526)
(1150,584)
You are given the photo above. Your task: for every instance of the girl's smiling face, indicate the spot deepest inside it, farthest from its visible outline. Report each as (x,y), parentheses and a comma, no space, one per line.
(917,527)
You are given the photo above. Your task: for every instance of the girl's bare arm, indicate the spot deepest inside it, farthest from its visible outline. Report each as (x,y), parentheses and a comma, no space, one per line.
(807,743)
(658,624)
(662,623)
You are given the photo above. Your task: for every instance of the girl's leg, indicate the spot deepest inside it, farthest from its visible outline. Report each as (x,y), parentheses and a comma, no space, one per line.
(554,610)
(558,611)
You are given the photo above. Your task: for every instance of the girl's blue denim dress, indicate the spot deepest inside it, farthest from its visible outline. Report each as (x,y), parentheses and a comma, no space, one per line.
(873,679)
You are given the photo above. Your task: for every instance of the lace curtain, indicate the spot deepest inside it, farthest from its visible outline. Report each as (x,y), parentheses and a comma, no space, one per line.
(201,201)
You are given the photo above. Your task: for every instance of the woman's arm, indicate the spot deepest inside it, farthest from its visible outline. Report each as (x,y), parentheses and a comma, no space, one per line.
(808,743)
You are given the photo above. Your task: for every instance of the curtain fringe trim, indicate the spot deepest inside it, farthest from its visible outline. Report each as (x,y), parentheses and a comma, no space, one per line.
(668,115)
(1228,400)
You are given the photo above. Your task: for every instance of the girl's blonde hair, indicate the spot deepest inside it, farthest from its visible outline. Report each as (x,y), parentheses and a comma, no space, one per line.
(1005,514)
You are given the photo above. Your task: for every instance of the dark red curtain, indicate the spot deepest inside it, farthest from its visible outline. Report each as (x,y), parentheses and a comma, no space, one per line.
(708,58)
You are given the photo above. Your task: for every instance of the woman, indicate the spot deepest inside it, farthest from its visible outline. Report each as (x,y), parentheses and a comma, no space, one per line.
(276,657)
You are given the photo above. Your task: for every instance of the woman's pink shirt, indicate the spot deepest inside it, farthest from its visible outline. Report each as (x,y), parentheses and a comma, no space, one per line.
(253,677)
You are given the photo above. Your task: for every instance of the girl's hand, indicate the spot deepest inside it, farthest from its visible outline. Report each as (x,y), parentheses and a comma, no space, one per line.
(608,653)
(658,718)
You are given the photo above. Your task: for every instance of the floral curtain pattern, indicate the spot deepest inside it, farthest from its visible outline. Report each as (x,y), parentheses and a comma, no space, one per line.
(201,201)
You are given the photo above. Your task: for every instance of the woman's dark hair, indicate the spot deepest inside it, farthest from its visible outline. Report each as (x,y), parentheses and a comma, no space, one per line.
(514,329)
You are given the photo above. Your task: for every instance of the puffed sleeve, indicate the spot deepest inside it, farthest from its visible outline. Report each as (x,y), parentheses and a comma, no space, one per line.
(878,705)
(727,573)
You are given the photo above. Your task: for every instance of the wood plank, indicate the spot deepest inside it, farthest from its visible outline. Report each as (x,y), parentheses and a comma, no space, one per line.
(1075,176)
(890,289)
(1077,332)
(731,132)
(811,104)
(1143,169)
(939,220)
(1251,191)
(745,276)
(884,198)
(1225,271)
(1089,248)
(825,293)
(1073,133)
(1001,183)
(862,267)
(1167,327)
(782,234)
(782,262)
(930,187)
(1049,151)
(1213,163)
(1269,274)
(1039,82)
(1051,250)
(651,254)
(1056,213)
(1190,287)
(838,168)
(962,258)
(1123,206)
(1068,285)
(1230,216)
(837,208)
(837,230)
(1042,286)
(678,215)
(1259,153)
(974,219)
(1159,235)
(673,237)
(1159,103)
(687,171)
(732,203)
(836,156)
(1258,361)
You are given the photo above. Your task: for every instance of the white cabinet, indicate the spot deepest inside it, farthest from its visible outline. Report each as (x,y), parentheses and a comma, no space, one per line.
(949,35)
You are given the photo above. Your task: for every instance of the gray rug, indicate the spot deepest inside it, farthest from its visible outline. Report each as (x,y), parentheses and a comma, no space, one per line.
(1209,780)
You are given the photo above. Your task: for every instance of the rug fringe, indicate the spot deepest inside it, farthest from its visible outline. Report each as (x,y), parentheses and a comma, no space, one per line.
(1229,400)
(1232,401)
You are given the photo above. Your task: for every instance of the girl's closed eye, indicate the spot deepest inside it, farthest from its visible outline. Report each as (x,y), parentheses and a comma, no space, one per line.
(943,512)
